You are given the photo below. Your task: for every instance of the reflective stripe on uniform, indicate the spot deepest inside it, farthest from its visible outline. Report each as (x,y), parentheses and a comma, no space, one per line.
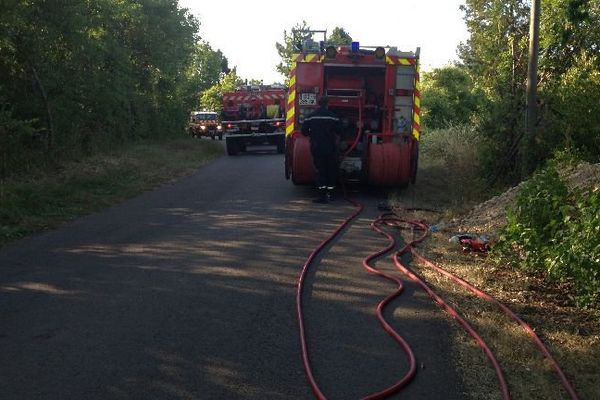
(322,117)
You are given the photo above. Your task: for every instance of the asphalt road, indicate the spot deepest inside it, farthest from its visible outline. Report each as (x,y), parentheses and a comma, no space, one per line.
(188,292)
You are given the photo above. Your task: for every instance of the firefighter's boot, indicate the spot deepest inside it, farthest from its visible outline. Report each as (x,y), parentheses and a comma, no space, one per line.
(323,197)
(329,193)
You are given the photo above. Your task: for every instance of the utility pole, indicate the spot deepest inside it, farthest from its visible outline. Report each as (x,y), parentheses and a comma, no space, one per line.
(534,46)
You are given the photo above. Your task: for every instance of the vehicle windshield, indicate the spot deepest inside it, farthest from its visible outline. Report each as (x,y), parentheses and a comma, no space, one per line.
(206,117)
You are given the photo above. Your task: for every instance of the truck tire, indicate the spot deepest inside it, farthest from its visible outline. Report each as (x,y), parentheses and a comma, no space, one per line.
(232,146)
(281,145)
(414,162)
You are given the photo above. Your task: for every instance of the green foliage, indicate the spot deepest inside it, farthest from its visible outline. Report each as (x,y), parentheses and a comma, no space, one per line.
(456,149)
(92,183)
(569,79)
(449,97)
(339,37)
(87,76)
(14,135)
(207,68)
(496,55)
(212,98)
(554,229)
(289,46)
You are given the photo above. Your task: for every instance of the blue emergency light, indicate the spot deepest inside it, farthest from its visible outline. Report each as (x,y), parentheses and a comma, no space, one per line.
(355,47)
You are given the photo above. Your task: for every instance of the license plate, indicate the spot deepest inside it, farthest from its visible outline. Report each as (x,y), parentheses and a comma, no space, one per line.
(308,99)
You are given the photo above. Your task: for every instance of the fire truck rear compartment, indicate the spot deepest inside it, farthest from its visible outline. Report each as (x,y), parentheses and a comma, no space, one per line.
(357,101)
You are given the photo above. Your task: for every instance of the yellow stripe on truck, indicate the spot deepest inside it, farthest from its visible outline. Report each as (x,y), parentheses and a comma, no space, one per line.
(309,57)
(416,128)
(394,60)
(290,113)
(290,117)
(289,129)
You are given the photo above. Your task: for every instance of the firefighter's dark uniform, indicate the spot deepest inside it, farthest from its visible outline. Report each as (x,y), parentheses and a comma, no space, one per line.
(323,128)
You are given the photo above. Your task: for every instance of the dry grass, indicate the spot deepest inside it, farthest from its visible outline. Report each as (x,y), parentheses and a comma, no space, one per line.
(571,334)
(47,199)
(448,182)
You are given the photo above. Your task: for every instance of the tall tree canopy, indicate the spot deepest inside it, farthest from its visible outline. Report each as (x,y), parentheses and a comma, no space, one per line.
(496,55)
(339,37)
(92,74)
(449,97)
(289,46)
(212,98)
(293,40)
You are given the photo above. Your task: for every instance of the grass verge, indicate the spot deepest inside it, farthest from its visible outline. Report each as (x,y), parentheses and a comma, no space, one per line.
(51,198)
(572,334)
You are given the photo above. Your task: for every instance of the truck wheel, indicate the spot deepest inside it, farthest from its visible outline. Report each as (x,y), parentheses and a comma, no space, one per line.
(414,162)
(280,145)
(232,146)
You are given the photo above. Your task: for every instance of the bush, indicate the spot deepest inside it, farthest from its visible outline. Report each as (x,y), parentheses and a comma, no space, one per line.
(556,230)
(457,150)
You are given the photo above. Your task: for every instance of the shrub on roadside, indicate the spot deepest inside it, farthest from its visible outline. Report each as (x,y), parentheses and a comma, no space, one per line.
(556,230)
(457,149)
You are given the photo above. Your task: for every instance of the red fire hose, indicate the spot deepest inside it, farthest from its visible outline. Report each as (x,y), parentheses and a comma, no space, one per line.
(445,306)
(299,310)
(508,312)
(380,307)
(392,221)
(483,295)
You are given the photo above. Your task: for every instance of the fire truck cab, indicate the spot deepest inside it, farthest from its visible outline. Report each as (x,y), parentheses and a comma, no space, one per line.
(375,93)
(205,123)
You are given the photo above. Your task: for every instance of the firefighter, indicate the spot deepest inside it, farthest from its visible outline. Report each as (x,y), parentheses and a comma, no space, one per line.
(323,129)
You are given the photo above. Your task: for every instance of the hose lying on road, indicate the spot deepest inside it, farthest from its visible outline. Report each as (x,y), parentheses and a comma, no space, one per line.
(395,222)
(481,294)
(391,220)
(380,307)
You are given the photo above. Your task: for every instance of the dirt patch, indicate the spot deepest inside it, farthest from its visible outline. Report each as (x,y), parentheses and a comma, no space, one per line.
(488,217)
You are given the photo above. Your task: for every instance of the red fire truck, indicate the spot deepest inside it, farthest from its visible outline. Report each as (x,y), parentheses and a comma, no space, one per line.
(253,115)
(375,93)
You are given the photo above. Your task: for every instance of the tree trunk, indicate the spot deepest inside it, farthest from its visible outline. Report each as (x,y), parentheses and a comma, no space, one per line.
(50,136)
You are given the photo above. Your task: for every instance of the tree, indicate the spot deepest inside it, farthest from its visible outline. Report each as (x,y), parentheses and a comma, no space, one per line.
(449,97)
(495,55)
(339,37)
(91,75)
(569,79)
(212,98)
(208,68)
(291,44)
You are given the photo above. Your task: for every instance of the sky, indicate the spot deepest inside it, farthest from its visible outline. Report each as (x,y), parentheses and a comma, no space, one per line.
(246,31)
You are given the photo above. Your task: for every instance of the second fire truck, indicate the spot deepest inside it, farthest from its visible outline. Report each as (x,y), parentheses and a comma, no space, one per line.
(254,115)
